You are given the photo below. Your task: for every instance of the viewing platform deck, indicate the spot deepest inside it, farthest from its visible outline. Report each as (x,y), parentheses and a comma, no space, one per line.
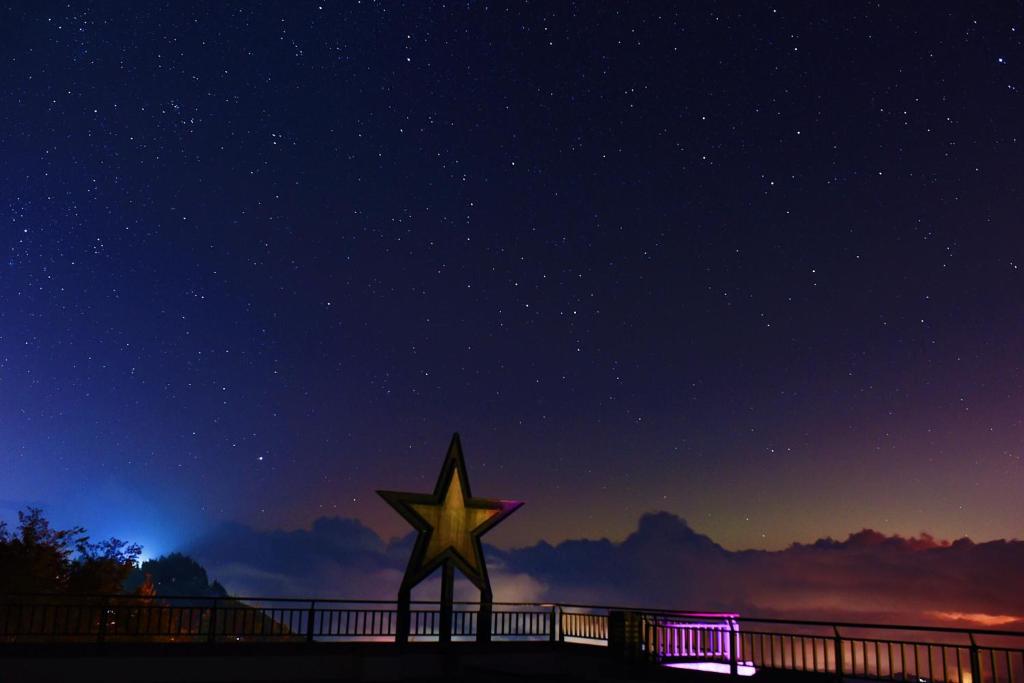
(101,638)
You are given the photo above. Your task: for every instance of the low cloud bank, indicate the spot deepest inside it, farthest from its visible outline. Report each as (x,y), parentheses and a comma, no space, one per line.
(664,563)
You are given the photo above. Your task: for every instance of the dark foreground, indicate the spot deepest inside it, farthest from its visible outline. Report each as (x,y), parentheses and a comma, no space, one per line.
(243,662)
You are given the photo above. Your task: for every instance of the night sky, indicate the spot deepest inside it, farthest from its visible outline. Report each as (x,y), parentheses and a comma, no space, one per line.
(759,266)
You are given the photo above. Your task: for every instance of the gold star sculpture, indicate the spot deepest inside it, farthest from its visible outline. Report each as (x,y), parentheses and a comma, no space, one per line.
(450,522)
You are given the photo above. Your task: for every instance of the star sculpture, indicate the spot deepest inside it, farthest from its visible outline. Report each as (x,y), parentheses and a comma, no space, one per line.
(450,522)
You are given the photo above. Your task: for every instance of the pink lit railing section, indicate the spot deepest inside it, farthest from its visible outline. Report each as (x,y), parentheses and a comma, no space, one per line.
(697,639)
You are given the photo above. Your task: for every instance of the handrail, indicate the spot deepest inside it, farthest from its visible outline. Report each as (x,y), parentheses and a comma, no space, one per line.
(657,636)
(100,596)
(795,622)
(540,605)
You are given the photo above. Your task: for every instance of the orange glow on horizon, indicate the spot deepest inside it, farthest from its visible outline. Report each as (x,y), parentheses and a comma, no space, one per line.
(978,617)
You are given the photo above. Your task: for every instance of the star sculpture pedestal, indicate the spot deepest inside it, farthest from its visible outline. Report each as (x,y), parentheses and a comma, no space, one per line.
(450,522)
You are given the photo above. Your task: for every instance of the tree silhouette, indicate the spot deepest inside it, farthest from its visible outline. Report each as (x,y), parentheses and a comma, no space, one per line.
(105,591)
(37,558)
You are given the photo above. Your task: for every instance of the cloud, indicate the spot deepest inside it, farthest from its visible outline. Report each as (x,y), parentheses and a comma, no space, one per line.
(335,557)
(869,576)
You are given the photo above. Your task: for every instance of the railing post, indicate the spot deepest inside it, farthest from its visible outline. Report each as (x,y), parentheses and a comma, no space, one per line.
(444,634)
(552,624)
(734,654)
(653,645)
(484,618)
(101,633)
(310,621)
(403,618)
(211,635)
(975,660)
(838,653)
(561,625)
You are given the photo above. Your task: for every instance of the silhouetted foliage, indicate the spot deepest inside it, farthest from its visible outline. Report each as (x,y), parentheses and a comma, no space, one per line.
(36,558)
(108,593)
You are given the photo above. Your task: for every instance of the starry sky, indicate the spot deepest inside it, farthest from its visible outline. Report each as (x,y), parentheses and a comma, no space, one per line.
(756,265)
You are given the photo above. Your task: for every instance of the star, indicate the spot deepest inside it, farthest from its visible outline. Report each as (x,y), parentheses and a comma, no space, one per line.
(450,521)
(453,523)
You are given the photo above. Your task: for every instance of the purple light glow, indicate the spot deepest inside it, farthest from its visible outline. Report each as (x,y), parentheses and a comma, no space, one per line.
(711,640)
(714,667)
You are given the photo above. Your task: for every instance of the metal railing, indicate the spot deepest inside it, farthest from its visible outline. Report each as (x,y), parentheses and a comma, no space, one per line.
(583,623)
(52,618)
(838,649)
(733,643)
